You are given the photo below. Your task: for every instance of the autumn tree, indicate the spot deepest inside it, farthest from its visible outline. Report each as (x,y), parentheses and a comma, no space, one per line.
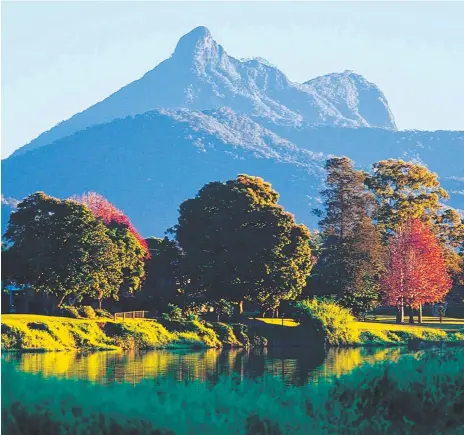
(239,243)
(60,248)
(350,258)
(131,246)
(406,190)
(416,272)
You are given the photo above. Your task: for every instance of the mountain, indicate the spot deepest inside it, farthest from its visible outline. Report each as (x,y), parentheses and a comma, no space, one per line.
(202,116)
(148,164)
(200,75)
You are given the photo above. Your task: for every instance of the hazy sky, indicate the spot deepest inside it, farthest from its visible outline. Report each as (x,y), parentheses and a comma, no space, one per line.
(59,58)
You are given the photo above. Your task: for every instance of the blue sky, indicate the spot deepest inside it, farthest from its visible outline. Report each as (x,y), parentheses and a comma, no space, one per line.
(58,58)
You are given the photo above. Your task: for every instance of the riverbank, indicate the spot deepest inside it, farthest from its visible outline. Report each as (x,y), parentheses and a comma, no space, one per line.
(411,396)
(24,332)
(353,333)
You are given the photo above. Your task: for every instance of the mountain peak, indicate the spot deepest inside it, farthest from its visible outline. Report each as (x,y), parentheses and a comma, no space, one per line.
(197,39)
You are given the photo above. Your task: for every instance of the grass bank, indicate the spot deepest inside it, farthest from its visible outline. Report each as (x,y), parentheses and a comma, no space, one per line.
(411,396)
(333,324)
(26,332)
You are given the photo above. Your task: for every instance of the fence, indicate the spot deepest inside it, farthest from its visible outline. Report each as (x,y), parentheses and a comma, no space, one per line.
(131,315)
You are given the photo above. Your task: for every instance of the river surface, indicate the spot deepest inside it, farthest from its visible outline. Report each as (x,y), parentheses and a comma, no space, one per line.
(296,366)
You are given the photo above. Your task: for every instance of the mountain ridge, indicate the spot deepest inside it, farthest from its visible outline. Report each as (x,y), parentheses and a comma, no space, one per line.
(148,164)
(201,75)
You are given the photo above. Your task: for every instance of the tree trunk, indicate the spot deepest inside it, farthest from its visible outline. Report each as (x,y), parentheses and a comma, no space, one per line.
(400,313)
(61,301)
(240,307)
(419,317)
(100,304)
(411,315)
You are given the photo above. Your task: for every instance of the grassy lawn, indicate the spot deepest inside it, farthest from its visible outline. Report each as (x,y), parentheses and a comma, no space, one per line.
(387,322)
(287,322)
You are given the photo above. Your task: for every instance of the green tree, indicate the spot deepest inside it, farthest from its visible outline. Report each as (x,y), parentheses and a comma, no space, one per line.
(238,244)
(350,258)
(60,248)
(132,248)
(163,283)
(404,190)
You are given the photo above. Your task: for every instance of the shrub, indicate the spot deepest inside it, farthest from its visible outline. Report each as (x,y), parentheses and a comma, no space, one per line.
(100,312)
(69,311)
(226,334)
(331,321)
(223,309)
(205,333)
(87,312)
(173,312)
(241,332)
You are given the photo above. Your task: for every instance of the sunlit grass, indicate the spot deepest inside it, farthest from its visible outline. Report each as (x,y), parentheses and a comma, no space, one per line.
(47,333)
(449,324)
(270,321)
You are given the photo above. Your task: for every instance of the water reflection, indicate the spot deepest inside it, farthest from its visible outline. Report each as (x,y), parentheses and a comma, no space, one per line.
(295,366)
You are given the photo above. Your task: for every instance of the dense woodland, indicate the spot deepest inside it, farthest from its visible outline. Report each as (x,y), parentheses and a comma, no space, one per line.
(384,238)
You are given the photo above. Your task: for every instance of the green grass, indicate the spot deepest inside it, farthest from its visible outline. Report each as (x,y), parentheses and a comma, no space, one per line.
(26,332)
(449,324)
(410,397)
(340,328)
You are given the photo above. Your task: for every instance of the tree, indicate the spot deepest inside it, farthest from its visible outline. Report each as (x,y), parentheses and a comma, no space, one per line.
(132,248)
(406,190)
(350,259)
(60,248)
(163,281)
(416,272)
(106,211)
(238,244)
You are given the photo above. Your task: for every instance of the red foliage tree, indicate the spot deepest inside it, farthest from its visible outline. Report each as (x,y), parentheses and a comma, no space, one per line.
(106,211)
(416,273)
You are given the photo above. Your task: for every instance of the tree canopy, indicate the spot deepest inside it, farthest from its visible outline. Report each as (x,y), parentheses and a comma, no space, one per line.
(60,247)
(238,244)
(350,258)
(132,249)
(416,273)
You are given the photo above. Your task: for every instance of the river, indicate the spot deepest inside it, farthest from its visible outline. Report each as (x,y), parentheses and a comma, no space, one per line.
(296,366)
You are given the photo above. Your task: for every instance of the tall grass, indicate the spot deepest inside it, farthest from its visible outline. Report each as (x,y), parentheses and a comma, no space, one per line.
(410,397)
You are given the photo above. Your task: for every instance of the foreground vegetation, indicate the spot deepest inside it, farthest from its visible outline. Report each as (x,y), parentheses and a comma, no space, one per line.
(412,396)
(39,333)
